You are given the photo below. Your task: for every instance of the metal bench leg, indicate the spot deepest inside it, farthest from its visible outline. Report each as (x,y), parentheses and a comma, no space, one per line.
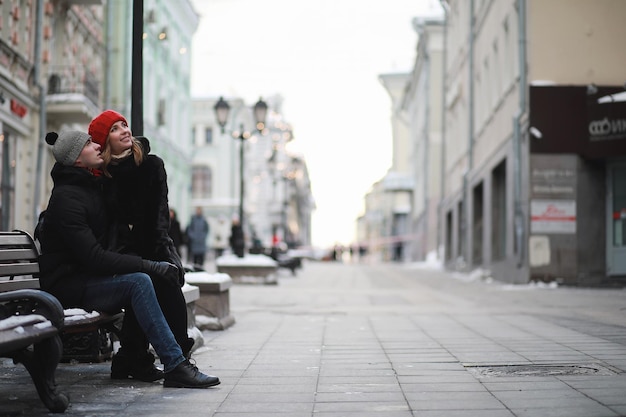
(41,363)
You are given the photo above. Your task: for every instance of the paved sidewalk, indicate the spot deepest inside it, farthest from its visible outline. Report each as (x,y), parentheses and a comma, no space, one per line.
(342,340)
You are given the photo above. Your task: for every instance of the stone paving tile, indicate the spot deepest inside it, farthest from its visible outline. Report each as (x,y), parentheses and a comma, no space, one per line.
(357,387)
(564,410)
(274,397)
(361,407)
(532,395)
(444,396)
(257,407)
(296,388)
(385,413)
(453,377)
(447,387)
(463,413)
(351,396)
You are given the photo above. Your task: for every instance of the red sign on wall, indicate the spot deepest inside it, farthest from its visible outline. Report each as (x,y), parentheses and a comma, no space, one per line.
(18,108)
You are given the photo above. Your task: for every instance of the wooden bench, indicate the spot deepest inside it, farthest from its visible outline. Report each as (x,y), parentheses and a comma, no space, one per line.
(34,317)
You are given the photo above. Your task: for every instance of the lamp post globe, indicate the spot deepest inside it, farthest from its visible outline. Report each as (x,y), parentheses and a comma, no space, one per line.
(222,108)
(260,114)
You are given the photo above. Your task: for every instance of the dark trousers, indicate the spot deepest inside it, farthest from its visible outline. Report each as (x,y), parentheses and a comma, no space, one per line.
(172,303)
(198,258)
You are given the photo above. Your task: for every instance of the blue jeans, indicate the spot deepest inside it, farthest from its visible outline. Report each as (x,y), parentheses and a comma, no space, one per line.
(110,294)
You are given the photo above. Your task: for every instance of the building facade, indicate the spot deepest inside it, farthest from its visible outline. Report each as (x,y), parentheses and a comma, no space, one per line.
(421,104)
(61,63)
(401,219)
(277,197)
(534,141)
(50,79)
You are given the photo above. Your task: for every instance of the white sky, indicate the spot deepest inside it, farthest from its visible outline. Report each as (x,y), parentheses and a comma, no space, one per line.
(324,58)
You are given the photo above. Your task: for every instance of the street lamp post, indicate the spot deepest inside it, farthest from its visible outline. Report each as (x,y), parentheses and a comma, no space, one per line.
(222,109)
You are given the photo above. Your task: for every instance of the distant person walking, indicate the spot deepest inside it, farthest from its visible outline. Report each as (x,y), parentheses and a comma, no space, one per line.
(176,232)
(237,242)
(197,233)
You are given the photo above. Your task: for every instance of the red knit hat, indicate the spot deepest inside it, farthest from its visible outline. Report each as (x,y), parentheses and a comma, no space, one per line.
(101,125)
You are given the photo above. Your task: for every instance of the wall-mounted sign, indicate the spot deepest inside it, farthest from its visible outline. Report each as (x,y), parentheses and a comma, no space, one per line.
(18,108)
(553,216)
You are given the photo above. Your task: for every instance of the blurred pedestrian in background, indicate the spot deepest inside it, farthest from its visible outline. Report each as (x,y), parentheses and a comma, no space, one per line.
(237,242)
(175,232)
(197,233)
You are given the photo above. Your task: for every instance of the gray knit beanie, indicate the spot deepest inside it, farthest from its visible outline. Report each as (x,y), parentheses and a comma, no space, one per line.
(67,146)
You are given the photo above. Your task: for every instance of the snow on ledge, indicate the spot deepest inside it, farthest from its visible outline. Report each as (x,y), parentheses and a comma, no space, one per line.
(247,260)
(205,277)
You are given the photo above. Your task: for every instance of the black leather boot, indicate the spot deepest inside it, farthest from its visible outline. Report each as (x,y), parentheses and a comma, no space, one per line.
(186,375)
(141,368)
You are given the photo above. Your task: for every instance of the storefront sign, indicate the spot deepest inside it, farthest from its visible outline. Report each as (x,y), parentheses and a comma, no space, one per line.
(18,108)
(553,216)
(607,129)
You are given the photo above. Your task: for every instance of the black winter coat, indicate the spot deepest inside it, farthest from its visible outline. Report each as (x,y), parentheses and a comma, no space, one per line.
(140,199)
(74,237)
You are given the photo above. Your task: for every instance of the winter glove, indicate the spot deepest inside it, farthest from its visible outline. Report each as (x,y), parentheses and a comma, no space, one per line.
(161,270)
(175,259)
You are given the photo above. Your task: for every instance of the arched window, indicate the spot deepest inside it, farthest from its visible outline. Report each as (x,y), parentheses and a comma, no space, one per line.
(201,182)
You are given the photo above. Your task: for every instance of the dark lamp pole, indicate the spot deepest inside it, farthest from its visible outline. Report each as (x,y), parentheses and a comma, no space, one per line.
(222,108)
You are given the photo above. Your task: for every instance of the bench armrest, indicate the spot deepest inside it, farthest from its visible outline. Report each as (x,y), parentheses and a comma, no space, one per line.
(29,301)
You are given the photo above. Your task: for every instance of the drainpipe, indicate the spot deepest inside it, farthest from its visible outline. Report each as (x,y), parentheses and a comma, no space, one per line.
(42,109)
(520,227)
(426,145)
(470,140)
(442,182)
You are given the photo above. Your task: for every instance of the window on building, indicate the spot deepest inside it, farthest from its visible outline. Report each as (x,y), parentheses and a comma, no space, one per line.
(449,233)
(201,182)
(498,213)
(208,136)
(478,219)
(461,226)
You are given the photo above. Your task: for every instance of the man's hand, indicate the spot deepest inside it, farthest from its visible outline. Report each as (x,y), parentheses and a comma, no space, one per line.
(161,270)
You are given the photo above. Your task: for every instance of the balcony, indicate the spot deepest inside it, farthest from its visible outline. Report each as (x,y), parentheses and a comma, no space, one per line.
(73,94)
(395,181)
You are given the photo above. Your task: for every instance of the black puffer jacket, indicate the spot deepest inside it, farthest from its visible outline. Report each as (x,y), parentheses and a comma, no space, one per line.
(74,236)
(140,203)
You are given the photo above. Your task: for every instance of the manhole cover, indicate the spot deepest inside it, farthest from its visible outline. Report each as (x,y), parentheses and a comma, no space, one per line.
(486,371)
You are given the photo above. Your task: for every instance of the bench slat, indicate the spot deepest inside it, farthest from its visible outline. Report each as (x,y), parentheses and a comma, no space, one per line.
(17,254)
(24,268)
(14,239)
(19,284)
